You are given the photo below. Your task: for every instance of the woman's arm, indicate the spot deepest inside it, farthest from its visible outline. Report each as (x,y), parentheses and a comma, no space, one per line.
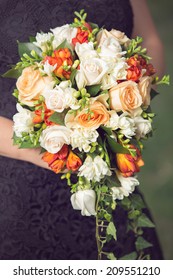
(144,27)
(7,148)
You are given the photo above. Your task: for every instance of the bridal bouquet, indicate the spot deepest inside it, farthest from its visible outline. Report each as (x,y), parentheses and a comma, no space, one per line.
(83,95)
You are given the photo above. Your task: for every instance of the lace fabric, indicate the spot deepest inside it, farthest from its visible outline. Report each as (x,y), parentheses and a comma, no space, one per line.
(36,217)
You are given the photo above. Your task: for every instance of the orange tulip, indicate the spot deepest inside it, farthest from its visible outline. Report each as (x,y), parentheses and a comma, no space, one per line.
(50,158)
(57,166)
(73,162)
(128,164)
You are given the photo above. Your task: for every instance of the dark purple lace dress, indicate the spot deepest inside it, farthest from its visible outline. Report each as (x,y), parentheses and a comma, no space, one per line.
(36,217)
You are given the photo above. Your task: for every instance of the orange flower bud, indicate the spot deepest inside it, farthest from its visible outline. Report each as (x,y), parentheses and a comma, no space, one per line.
(61,57)
(62,154)
(128,164)
(57,166)
(82,35)
(49,158)
(73,162)
(133,73)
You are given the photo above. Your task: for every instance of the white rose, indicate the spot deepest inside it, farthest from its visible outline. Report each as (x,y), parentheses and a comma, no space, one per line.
(65,32)
(118,72)
(84,200)
(85,50)
(43,41)
(61,97)
(143,127)
(111,50)
(81,138)
(113,121)
(54,137)
(91,72)
(94,169)
(128,185)
(22,121)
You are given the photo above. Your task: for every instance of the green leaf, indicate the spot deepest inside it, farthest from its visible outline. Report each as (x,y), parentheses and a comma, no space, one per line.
(27,48)
(57,118)
(144,221)
(72,76)
(111,256)
(111,230)
(28,144)
(116,147)
(131,256)
(64,45)
(32,39)
(108,130)
(141,243)
(137,201)
(93,90)
(153,93)
(12,73)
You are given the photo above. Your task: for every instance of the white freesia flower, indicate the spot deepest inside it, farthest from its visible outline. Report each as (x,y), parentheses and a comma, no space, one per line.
(91,72)
(61,97)
(65,32)
(81,138)
(43,41)
(122,122)
(84,200)
(94,169)
(48,69)
(85,50)
(54,137)
(143,127)
(22,121)
(126,125)
(128,185)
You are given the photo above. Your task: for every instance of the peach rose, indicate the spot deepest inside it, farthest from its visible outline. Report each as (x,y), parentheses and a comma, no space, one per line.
(96,116)
(125,97)
(144,89)
(116,34)
(31,85)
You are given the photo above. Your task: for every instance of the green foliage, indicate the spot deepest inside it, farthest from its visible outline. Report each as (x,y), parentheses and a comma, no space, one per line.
(12,73)
(116,147)
(131,256)
(144,221)
(111,230)
(134,47)
(57,118)
(27,48)
(141,243)
(93,90)
(111,256)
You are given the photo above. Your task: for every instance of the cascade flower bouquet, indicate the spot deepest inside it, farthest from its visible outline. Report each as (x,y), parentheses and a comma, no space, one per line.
(83,95)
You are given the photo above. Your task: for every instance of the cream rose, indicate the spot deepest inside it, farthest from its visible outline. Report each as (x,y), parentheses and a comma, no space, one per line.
(144,89)
(116,34)
(91,72)
(54,137)
(31,85)
(125,97)
(120,36)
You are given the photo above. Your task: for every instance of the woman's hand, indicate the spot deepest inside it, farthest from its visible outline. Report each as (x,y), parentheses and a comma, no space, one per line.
(7,148)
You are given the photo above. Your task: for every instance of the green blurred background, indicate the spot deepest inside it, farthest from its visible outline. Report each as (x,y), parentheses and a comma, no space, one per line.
(157,175)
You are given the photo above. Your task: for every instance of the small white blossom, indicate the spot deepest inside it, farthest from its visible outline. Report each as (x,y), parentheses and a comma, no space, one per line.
(94,169)
(81,138)
(128,185)
(43,41)
(143,127)
(126,125)
(84,200)
(22,121)
(48,69)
